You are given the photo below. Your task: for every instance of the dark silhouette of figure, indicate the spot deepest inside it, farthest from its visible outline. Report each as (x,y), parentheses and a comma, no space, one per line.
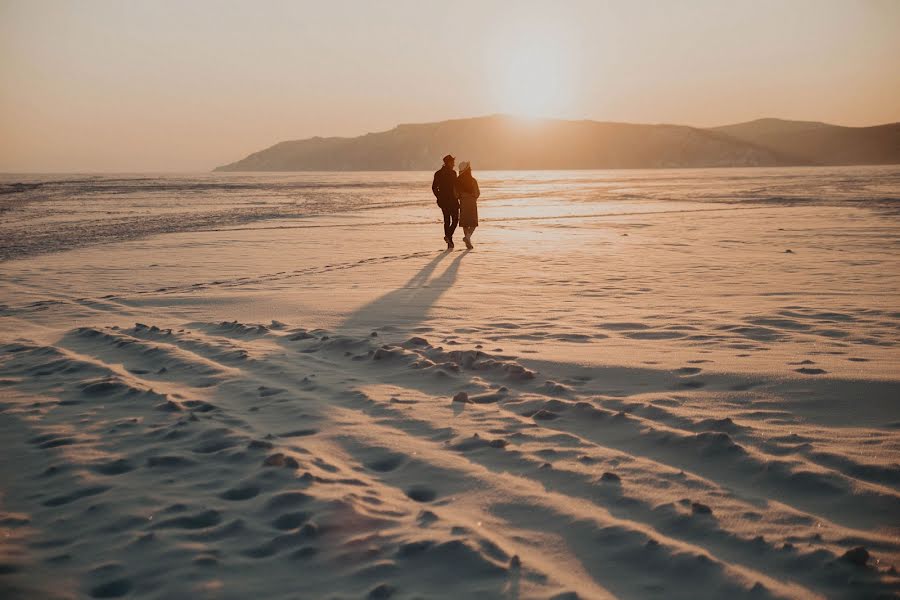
(467,191)
(444,188)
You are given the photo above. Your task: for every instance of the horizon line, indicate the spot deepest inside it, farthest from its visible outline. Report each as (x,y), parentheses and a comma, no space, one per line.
(215,172)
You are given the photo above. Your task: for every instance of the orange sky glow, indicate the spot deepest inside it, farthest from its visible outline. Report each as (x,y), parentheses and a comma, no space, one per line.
(162,85)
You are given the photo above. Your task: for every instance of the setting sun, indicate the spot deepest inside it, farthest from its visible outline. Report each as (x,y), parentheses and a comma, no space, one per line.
(533,78)
(496,299)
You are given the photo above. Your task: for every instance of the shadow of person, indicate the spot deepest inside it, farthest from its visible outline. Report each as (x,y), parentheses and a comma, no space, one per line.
(409,304)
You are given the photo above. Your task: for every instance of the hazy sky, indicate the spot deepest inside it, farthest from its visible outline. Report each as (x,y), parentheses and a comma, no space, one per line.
(160,85)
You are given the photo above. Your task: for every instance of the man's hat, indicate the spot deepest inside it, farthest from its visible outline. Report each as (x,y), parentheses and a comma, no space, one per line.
(449,157)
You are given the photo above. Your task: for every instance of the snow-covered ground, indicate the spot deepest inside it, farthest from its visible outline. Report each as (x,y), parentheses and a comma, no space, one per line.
(672,384)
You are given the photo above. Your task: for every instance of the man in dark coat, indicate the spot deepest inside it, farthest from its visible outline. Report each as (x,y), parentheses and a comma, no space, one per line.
(444,188)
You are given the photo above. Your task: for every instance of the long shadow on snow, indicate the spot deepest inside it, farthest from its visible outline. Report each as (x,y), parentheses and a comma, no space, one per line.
(410,303)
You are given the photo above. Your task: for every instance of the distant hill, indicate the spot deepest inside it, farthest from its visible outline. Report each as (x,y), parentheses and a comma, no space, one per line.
(813,143)
(503,142)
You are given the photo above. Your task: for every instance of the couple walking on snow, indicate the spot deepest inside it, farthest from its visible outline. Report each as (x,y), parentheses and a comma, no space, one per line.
(457,195)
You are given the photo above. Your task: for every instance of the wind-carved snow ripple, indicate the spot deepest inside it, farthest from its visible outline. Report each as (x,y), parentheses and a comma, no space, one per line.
(354,455)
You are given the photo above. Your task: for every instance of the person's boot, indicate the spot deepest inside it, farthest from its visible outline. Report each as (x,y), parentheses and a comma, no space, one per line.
(450,245)
(468,242)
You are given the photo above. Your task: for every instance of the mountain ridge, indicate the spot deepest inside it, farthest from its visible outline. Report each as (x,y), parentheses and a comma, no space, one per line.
(503,142)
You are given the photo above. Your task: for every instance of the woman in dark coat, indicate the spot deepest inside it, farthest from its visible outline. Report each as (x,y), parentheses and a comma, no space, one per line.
(468,193)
